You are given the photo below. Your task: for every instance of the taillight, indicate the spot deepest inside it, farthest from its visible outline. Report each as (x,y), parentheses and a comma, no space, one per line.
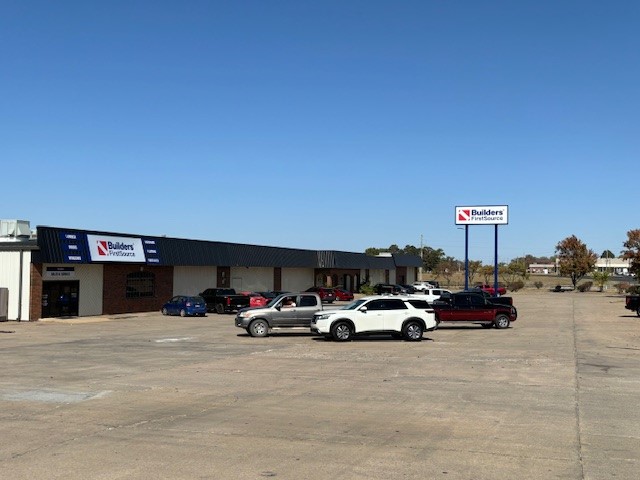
(228,300)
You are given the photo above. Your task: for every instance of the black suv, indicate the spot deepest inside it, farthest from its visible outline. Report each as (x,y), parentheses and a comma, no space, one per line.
(387,288)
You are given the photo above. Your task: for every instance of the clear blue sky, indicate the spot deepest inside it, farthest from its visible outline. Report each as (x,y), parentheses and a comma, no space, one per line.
(335,125)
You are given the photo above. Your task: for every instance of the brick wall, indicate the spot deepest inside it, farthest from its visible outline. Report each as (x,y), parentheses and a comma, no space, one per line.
(114,298)
(35,302)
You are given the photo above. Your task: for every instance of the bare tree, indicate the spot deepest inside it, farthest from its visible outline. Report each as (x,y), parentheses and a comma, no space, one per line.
(474,269)
(487,273)
(447,268)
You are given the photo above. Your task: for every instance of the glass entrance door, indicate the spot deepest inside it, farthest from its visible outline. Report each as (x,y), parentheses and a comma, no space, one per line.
(60,299)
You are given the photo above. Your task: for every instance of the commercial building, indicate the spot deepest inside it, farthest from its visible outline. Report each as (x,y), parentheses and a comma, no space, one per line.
(55,272)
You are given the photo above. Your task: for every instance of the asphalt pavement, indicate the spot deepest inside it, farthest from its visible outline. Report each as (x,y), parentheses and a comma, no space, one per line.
(143,396)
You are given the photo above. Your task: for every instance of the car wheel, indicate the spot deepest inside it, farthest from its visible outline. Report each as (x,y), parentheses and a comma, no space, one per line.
(412,331)
(258,328)
(638,311)
(165,311)
(342,331)
(183,313)
(219,308)
(501,321)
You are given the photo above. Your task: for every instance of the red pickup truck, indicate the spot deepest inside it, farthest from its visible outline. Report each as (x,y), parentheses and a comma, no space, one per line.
(473,308)
(490,290)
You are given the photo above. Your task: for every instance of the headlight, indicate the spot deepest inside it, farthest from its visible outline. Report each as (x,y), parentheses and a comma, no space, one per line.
(244,314)
(321,317)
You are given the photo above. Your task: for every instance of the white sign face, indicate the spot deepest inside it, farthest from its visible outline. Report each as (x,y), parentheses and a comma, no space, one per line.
(482,215)
(115,249)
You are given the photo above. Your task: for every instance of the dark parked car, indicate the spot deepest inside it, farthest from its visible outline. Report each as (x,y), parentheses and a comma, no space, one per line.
(327,295)
(386,288)
(632,302)
(407,289)
(343,295)
(185,305)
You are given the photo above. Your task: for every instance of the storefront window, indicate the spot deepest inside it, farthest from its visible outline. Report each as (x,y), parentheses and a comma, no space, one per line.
(141,284)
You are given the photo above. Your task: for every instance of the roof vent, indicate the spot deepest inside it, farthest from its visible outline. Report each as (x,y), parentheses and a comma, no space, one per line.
(15,230)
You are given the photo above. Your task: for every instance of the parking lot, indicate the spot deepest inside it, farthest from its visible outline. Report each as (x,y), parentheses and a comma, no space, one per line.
(146,396)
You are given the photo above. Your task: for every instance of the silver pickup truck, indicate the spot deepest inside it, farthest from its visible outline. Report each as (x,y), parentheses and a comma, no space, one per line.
(288,310)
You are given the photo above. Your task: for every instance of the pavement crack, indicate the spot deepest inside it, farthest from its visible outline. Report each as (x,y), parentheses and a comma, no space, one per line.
(576,380)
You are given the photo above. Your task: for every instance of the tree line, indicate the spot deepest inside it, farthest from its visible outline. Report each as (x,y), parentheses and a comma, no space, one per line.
(574,259)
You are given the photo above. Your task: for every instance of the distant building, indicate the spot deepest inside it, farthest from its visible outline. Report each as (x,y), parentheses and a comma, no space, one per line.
(618,266)
(544,268)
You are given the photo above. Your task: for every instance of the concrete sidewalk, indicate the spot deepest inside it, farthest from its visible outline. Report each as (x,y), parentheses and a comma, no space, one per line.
(144,396)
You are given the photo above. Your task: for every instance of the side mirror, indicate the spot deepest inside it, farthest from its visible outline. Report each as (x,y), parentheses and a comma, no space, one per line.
(363,309)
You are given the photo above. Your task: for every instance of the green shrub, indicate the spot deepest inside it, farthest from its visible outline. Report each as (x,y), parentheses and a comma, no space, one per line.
(538,284)
(516,285)
(366,289)
(585,286)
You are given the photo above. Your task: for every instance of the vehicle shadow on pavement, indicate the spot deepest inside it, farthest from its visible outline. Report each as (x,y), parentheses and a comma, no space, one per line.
(470,327)
(280,334)
(371,338)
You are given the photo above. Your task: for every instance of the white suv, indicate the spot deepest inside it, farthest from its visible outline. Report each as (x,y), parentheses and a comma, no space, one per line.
(401,316)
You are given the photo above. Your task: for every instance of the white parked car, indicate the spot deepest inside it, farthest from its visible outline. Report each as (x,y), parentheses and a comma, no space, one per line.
(420,286)
(401,316)
(432,294)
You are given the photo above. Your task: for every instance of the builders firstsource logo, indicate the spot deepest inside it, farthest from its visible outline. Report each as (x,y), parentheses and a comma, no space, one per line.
(482,215)
(115,249)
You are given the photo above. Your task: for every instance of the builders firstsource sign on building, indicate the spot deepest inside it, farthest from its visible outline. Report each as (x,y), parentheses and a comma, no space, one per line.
(482,215)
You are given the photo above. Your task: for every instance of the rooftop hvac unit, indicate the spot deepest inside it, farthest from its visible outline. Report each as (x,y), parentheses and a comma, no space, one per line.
(15,229)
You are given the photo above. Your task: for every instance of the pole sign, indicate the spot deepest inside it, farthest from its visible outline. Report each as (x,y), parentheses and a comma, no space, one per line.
(483,215)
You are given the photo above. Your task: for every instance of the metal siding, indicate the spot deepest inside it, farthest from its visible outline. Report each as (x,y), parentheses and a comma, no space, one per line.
(297,279)
(252,278)
(188,280)
(9,278)
(382,263)
(401,260)
(183,252)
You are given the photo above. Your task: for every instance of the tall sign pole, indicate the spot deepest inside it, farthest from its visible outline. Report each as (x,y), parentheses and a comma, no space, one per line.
(481,215)
(495,263)
(466,257)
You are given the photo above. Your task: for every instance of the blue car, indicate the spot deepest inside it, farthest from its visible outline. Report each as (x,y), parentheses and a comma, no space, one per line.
(185,305)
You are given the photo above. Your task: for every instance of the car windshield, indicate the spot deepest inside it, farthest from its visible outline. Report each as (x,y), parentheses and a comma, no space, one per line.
(273,301)
(353,305)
